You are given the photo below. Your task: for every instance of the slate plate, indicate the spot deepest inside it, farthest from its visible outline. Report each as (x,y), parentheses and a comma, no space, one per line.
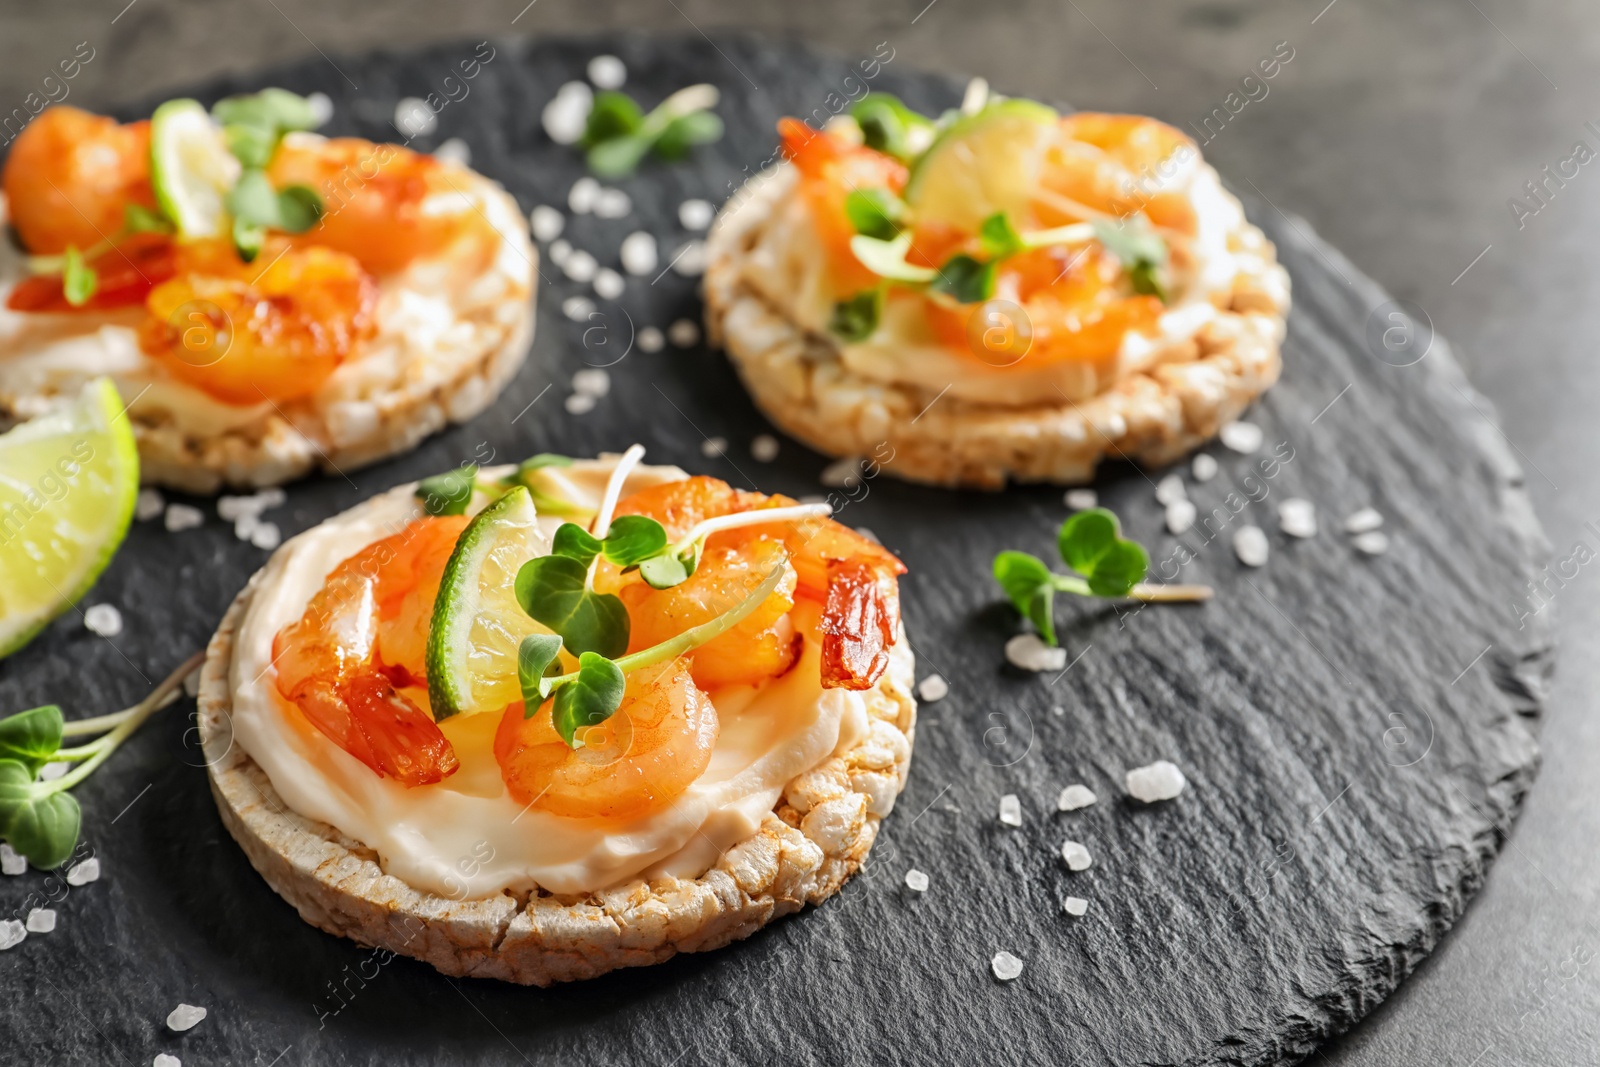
(1357,732)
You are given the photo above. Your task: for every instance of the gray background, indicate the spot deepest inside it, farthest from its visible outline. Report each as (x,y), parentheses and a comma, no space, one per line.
(1399,129)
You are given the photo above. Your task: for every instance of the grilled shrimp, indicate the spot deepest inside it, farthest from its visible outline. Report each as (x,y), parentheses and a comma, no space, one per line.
(70,177)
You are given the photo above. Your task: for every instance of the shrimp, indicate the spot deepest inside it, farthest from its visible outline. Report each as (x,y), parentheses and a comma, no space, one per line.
(830,170)
(1114,165)
(126,272)
(70,177)
(635,763)
(354,662)
(853,578)
(246,332)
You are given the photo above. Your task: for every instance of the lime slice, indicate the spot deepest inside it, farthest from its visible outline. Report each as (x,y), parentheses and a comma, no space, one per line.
(984,163)
(477,622)
(191,168)
(66,497)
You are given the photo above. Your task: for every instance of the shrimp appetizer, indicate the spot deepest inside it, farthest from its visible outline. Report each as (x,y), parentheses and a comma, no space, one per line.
(267,301)
(1005,294)
(539,722)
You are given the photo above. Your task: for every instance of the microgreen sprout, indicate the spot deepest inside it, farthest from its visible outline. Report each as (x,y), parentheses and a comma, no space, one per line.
(40,819)
(619,134)
(1106,565)
(253,126)
(890,127)
(78,280)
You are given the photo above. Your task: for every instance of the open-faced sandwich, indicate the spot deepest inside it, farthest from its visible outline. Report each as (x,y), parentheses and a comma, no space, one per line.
(1007,293)
(537,723)
(267,301)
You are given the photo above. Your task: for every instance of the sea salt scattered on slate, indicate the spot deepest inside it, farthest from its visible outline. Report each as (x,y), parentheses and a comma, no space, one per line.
(454,150)
(1170,489)
(652,339)
(583,195)
(12,934)
(1364,520)
(51,771)
(183,517)
(638,253)
(580,266)
(684,333)
(1204,467)
(1030,653)
(560,251)
(1076,855)
(11,861)
(695,214)
(577,308)
(1180,516)
(579,404)
(1011,810)
(933,688)
(103,619)
(1075,906)
(184,1017)
(1373,542)
(1074,797)
(612,204)
(607,72)
(608,284)
(764,448)
(546,223)
(414,118)
(41,920)
(690,259)
(321,108)
(1081,499)
(916,880)
(149,504)
(1250,545)
(1297,517)
(841,473)
(1242,437)
(591,381)
(712,447)
(85,872)
(164,1059)
(566,116)
(1160,780)
(1006,966)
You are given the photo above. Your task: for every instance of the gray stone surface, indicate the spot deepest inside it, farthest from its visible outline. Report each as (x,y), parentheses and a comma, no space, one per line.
(1399,130)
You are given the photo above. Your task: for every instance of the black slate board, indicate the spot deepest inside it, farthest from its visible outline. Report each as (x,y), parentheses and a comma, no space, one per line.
(1358,733)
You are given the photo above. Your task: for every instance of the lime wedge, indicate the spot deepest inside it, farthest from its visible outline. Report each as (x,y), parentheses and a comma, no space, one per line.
(191,168)
(477,623)
(982,164)
(69,482)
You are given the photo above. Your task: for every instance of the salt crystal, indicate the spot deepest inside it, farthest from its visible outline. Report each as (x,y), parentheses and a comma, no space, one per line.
(12,934)
(245,528)
(1250,545)
(1161,780)
(1011,810)
(1076,855)
(684,333)
(234,508)
(85,872)
(1180,516)
(577,308)
(933,688)
(566,116)
(1243,437)
(183,517)
(594,381)
(690,259)
(414,118)
(1081,499)
(1171,488)
(1074,797)
(321,108)
(1075,906)
(607,72)
(612,204)
(764,448)
(266,536)
(12,862)
(1373,542)
(547,223)
(1057,710)
(580,266)
(560,251)
(579,404)
(651,339)
(41,920)
(582,196)
(1364,520)
(712,447)
(608,284)
(1030,653)
(51,771)
(1204,467)
(184,1017)
(638,253)
(149,504)
(271,497)
(1297,517)
(454,150)
(1006,966)
(103,619)
(695,214)
(916,880)
(164,1060)
(842,473)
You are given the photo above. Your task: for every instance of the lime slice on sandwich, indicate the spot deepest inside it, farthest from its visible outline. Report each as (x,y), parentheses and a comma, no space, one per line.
(982,164)
(477,623)
(68,482)
(191,168)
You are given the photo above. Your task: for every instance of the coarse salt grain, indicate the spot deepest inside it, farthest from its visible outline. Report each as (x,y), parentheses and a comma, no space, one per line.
(651,339)
(166,1060)
(266,536)
(414,118)
(566,116)
(579,404)
(560,251)
(1242,437)
(593,381)
(149,504)
(764,448)
(12,862)
(690,259)
(51,771)
(1204,467)
(184,1017)
(1171,488)
(684,333)
(580,266)
(933,688)
(1160,780)
(454,150)
(582,196)
(608,284)
(1297,517)
(607,72)
(841,473)
(1030,653)
(1364,520)
(245,527)
(577,308)
(1076,855)
(695,214)
(271,497)
(712,447)
(85,872)
(1075,906)
(1081,499)
(612,204)
(1250,545)
(1006,966)
(321,107)
(1180,516)
(103,619)
(1074,797)
(546,223)
(638,253)
(12,934)
(1011,810)
(41,920)
(916,881)
(1373,542)
(183,517)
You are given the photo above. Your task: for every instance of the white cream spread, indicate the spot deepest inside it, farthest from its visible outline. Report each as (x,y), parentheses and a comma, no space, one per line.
(465,837)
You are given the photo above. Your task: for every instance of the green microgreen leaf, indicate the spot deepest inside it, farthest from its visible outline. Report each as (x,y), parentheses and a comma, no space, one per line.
(875,212)
(537,656)
(664,571)
(554,591)
(38,822)
(546,504)
(687,131)
(78,280)
(633,539)
(248,239)
(250,144)
(543,460)
(1142,251)
(574,542)
(888,126)
(1092,544)
(618,135)
(253,199)
(1030,586)
(449,493)
(998,238)
(272,108)
(856,318)
(612,115)
(136,218)
(887,259)
(589,699)
(31,737)
(968,280)
(299,208)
